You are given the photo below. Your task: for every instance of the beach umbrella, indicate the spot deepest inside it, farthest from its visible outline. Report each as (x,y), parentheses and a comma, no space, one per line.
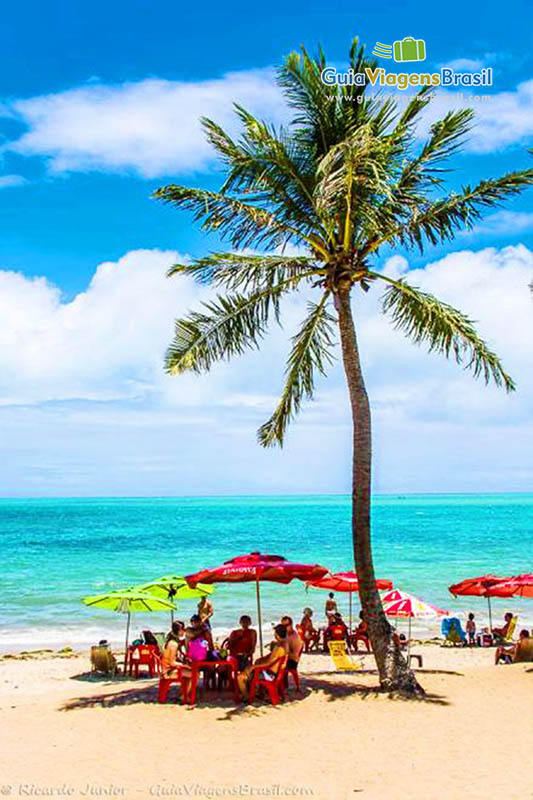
(173,588)
(345,582)
(517,586)
(257,567)
(126,602)
(482,586)
(401,604)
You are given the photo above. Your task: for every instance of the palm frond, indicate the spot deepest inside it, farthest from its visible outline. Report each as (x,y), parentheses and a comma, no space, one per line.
(240,222)
(226,327)
(425,319)
(244,272)
(310,353)
(440,220)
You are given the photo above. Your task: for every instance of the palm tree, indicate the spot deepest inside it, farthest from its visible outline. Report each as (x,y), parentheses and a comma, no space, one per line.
(345,178)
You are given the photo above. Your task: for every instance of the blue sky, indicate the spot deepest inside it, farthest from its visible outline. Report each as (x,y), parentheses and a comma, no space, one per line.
(98,107)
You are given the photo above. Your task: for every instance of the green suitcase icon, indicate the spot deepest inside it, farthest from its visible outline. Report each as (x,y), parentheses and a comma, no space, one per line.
(410,49)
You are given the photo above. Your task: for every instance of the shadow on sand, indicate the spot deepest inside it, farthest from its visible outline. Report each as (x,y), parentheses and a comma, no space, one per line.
(334,686)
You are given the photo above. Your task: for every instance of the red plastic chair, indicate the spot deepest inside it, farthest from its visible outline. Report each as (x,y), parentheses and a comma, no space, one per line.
(166,683)
(274,687)
(359,637)
(143,655)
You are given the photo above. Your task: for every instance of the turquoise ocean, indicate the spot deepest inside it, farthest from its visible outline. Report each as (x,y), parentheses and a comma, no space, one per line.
(55,551)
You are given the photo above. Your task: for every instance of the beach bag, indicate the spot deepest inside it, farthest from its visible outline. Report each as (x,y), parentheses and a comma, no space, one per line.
(410,49)
(197,650)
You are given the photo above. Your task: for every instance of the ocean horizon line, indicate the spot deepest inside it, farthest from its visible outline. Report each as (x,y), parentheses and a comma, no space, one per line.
(262,495)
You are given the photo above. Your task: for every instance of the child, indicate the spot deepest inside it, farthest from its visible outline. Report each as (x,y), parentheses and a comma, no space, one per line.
(471,630)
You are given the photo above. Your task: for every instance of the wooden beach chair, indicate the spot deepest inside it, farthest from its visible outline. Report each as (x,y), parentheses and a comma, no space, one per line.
(340,657)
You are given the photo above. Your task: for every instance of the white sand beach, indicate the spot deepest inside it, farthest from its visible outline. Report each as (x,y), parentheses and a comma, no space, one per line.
(70,734)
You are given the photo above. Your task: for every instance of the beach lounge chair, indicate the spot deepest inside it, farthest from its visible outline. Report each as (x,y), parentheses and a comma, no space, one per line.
(103,660)
(340,658)
(274,686)
(508,638)
(452,631)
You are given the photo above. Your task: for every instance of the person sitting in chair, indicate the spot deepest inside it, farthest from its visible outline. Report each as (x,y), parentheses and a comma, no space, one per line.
(501,633)
(361,633)
(270,663)
(336,631)
(522,650)
(242,642)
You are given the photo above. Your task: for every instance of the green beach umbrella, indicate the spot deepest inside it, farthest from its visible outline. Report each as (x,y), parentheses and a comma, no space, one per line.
(174,587)
(127,601)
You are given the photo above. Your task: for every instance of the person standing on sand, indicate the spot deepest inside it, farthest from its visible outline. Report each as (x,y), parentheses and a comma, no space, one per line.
(471,630)
(331,607)
(205,611)
(294,643)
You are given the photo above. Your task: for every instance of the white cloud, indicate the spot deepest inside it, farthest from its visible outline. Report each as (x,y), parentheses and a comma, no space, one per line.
(7,181)
(464,64)
(501,118)
(106,343)
(86,406)
(149,126)
(510,223)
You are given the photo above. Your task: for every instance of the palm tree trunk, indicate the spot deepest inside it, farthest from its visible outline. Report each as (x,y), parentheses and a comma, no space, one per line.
(394,672)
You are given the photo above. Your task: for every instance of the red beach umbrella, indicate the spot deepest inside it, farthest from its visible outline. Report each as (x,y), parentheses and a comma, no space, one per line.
(402,604)
(517,586)
(345,582)
(482,586)
(257,567)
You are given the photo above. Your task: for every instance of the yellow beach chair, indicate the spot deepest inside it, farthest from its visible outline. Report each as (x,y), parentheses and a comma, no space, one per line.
(340,658)
(508,639)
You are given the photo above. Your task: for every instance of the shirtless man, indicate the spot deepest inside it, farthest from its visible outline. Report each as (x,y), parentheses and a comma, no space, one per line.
(294,643)
(205,611)
(242,642)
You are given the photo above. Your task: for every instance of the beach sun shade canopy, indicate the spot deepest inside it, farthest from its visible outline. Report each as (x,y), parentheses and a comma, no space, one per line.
(345,582)
(401,604)
(126,602)
(174,587)
(257,567)
(517,586)
(482,586)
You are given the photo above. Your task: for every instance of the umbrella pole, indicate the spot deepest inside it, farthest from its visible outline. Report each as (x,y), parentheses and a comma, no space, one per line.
(258,597)
(126,643)
(171,617)
(350,613)
(409,643)
(490,615)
